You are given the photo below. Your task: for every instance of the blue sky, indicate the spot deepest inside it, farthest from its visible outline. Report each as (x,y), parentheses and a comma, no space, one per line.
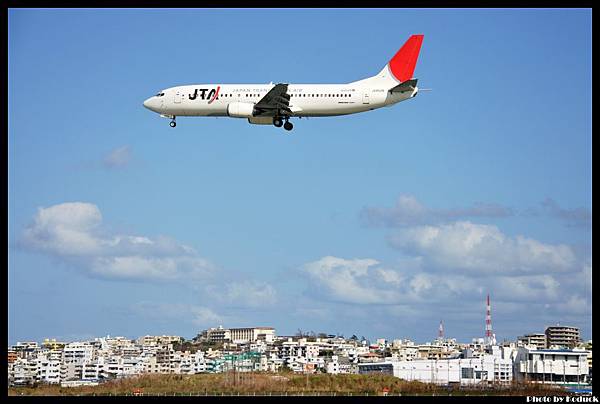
(378,224)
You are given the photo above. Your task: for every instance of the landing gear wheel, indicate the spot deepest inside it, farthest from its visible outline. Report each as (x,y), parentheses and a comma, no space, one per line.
(288,126)
(277,122)
(172,124)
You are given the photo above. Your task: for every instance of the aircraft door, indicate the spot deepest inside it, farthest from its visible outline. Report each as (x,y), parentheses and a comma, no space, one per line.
(177,98)
(366,98)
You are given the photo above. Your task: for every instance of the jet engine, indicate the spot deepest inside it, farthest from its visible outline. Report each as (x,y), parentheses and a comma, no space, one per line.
(240,110)
(261,120)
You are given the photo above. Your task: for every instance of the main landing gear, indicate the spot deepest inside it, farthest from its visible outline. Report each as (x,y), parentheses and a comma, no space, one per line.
(172,123)
(278,123)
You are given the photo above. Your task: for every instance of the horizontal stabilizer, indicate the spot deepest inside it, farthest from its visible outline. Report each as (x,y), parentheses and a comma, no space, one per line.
(408,85)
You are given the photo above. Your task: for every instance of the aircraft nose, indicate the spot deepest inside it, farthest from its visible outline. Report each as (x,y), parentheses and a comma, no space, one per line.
(147,103)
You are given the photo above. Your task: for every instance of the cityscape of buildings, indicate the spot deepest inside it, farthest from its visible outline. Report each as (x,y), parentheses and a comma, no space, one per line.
(557,356)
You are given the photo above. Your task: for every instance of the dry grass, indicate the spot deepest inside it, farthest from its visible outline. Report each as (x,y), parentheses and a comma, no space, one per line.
(271,383)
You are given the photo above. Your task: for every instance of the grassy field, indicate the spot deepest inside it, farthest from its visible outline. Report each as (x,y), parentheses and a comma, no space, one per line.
(265,383)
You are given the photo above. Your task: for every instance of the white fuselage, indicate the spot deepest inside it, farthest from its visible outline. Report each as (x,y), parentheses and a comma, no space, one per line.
(306,100)
(266,104)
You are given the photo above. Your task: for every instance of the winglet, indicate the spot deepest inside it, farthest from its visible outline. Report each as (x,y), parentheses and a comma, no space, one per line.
(402,65)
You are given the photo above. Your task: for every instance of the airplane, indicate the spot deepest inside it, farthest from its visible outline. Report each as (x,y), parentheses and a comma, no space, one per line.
(275,104)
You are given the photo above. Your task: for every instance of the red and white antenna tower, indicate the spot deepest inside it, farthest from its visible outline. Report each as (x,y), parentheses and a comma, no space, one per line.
(489,337)
(441,331)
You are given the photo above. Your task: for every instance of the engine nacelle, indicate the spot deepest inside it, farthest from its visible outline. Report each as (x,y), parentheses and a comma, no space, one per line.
(261,120)
(240,110)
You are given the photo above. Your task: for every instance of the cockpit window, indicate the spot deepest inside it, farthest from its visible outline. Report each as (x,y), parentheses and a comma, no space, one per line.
(160,94)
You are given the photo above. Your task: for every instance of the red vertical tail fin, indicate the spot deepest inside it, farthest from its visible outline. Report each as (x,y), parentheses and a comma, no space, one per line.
(402,65)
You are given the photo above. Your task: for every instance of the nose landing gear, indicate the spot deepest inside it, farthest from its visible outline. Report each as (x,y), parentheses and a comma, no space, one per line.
(172,123)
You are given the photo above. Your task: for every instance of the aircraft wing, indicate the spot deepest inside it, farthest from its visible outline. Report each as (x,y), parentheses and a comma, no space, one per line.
(275,102)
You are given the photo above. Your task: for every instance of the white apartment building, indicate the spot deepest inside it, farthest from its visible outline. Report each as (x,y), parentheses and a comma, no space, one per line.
(271,363)
(239,335)
(25,350)
(216,335)
(258,346)
(152,365)
(305,365)
(555,366)
(562,336)
(484,370)
(78,353)
(94,370)
(200,363)
(537,341)
(352,354)
(404,350)
(301,348)
(340,365)
(48,371)
(252,334)
(398,343)
(70,371)
(118,367)
(118,341)
(155,340)
(24,372)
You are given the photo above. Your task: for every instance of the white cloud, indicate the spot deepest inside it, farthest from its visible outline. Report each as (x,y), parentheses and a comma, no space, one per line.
(409,211)
(361,281)
(389,276)
(577,217)
(72,232)
(413,297)
(65,229)
(527,288)
(205,317)
(118,157)
(479,249)
(345,280)
(200,316)
(312,312)
(447,268)
(244,293)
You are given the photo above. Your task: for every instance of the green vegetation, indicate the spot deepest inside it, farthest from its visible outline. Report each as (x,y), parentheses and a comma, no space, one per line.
(274,383)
